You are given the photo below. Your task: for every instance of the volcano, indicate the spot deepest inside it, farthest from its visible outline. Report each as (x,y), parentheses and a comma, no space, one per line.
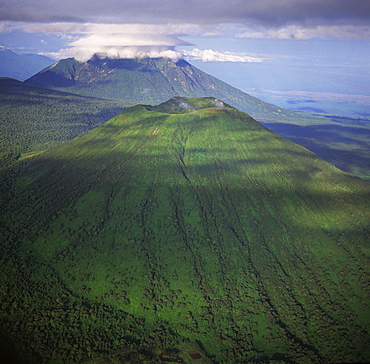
(155,80)
(145,80)
(186,223)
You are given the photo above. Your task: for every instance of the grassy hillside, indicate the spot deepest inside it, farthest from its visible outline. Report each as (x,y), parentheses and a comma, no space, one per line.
(186,223)
(33,119)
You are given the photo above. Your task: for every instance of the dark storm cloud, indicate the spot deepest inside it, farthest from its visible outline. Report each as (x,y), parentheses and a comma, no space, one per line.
(263,12)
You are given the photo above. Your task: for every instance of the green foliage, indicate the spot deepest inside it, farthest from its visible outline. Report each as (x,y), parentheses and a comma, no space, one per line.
(34,119)
(342,142)
(186,222)
(146,80)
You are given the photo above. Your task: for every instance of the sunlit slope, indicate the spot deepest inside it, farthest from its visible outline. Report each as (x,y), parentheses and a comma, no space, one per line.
(188,220)
(344,143)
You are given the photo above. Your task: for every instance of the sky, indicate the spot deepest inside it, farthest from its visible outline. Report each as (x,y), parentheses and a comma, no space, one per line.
(320,46)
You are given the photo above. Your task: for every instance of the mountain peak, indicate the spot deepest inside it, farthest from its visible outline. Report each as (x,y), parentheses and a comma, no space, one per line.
(21,66)
(146,80)
(182,105)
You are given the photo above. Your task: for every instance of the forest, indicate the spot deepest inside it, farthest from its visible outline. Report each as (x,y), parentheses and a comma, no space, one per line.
(34,119)
(185,232)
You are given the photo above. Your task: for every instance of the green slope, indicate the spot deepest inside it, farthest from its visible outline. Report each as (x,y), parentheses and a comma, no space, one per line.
(187,221)
(341,141)
(344,143)
(33,119)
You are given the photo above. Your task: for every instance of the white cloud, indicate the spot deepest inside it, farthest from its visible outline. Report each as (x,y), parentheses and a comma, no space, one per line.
(302,32)
(3,26)
(209,55)
(110,28)
(125,44)
(114,40)
(84,54)
(126,40)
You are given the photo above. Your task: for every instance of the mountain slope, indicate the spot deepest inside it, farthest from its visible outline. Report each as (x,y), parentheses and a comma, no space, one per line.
(144,80)
(21,66)
(187,221)
(33,119)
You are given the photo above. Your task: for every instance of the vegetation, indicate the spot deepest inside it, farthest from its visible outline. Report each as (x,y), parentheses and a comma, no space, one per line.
(34,119)
(186,223)
(343,142)
(146,80)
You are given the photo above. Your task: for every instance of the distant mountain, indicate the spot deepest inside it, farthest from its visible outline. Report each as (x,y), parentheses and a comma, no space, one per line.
(345,144)
(33,118)
(185,228)
(21,66)
(146,80)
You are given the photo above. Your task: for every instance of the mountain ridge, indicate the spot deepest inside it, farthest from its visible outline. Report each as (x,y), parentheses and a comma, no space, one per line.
(343,143)
(142,80)
(21,66)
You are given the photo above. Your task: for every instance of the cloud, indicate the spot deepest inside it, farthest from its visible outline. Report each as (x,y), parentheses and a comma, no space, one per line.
(185,16)
(84,54)
(108,28)
(112,40)
(264,12)
(209,55)
(140,27)
(300,32)
(125,41)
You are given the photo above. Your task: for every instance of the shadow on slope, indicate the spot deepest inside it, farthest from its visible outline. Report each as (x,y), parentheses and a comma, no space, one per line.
(346,147)
(157,229)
